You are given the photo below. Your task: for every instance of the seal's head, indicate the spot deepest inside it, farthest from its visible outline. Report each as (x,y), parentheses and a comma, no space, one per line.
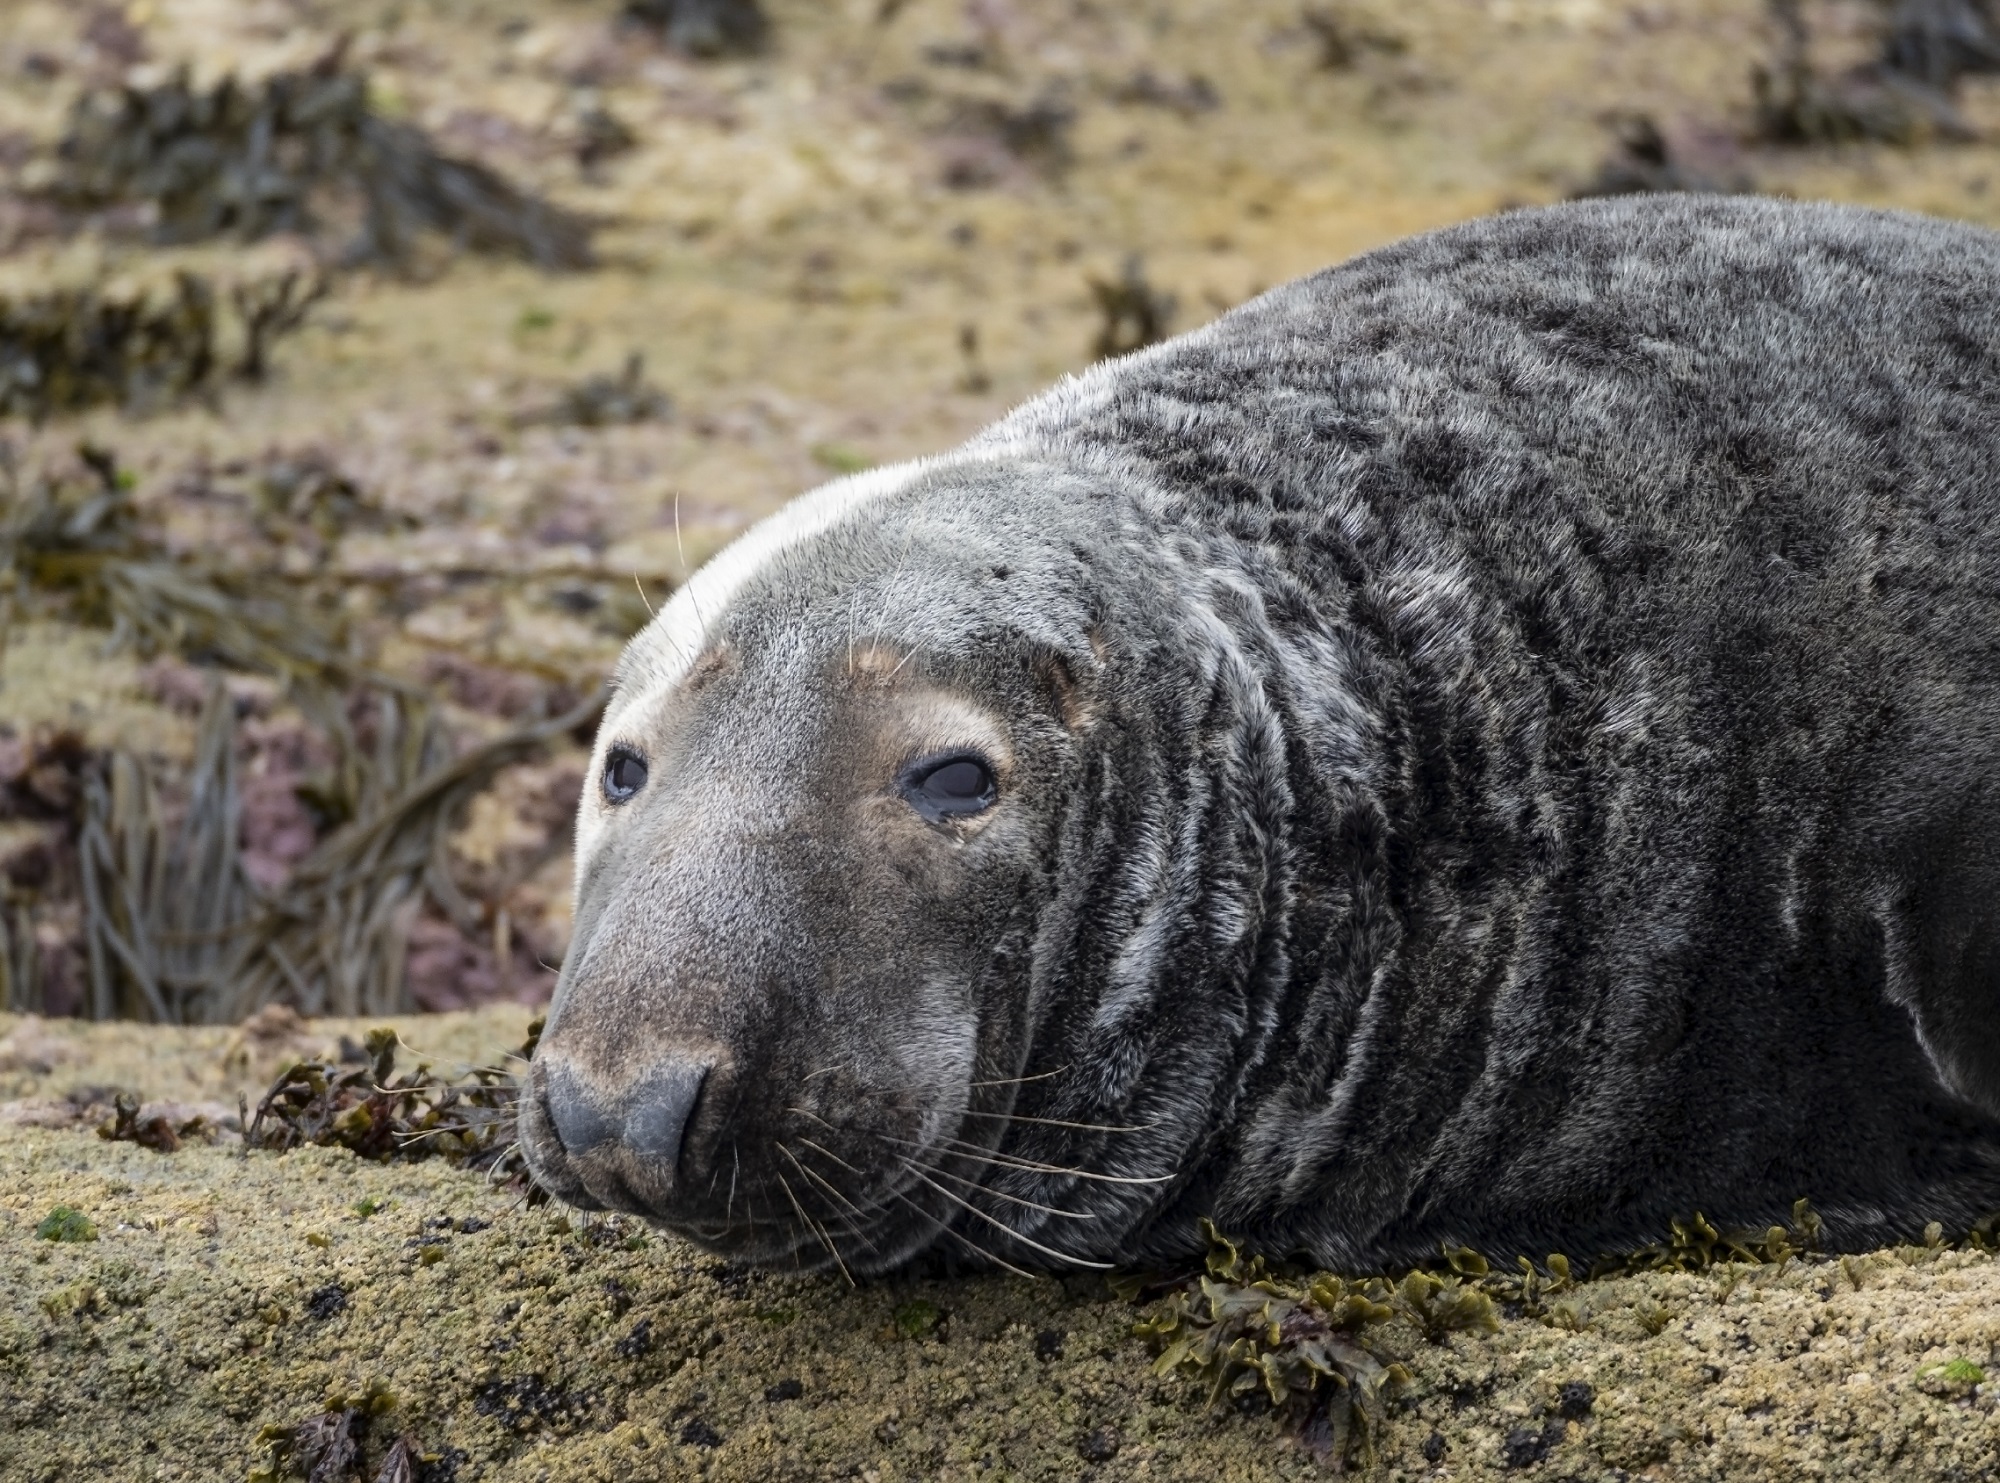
(822,828)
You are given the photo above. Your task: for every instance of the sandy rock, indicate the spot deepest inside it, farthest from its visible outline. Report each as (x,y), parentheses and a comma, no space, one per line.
(227,1292)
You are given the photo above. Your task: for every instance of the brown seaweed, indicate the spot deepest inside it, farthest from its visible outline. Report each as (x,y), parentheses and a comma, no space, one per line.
(371,1111)
(1319,1348)
(332,939)
(299,153)
(1938,42)
(142,348)
(1132,313)
(1244,1330)
(605,400)
(704,28)
(1907,95)
(1643,161)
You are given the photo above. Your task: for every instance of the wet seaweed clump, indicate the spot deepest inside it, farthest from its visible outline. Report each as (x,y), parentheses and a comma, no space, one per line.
(326,930)
(1132,313)
(605,400)
(80,547)
(143,345)
(1696,1244)
(1643,160)
(130,1123)
(373,1112)
(1244,1330)
(333,1447)
(704,28)
(1320,1348)
(1905,93)
(300,152)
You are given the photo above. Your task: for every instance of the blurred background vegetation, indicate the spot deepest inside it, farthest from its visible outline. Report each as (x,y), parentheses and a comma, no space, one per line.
(369,367)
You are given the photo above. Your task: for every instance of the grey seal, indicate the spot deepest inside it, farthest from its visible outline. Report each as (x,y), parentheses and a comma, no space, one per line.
(1496,742)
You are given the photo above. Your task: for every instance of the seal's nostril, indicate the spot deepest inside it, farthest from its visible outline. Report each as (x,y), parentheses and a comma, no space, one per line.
(581,1122)
(659,1110)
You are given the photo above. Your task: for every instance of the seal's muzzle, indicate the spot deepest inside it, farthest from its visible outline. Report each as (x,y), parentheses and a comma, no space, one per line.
(633,1145)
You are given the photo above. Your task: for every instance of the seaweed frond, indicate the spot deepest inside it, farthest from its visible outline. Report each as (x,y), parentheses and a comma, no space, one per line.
(248,160)
(1694,1245)
(367,1108)
(1242,1331)
(333,938)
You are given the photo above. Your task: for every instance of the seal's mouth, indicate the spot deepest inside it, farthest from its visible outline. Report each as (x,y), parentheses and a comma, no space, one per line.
(839,1176)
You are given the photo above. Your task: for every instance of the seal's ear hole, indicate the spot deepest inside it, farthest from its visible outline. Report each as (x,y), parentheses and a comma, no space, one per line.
(624,774)
(954,786)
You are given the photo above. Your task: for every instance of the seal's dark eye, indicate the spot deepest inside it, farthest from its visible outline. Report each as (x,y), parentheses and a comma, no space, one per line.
(624,774)
(950,787)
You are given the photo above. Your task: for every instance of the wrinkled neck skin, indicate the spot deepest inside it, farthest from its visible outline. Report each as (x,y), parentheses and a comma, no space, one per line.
(1203,963)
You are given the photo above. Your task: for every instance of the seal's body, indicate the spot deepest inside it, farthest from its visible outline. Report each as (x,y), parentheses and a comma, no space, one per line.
(1497,742)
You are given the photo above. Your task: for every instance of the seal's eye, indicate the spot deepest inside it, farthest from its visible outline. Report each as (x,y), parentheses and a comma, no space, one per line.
(942,788)
(624,774)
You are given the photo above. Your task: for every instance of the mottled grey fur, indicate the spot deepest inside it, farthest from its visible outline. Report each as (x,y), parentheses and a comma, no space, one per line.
(1498,744)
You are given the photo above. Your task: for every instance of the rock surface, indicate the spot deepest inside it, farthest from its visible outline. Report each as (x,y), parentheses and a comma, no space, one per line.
(226,1293)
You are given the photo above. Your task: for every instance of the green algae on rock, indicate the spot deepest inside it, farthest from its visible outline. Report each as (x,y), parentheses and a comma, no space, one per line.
(65,1223)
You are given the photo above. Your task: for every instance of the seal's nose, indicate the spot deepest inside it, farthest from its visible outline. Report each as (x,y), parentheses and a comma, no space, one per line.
(648,1118)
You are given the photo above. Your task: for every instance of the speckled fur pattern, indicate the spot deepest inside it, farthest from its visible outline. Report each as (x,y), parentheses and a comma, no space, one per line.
(1501,732)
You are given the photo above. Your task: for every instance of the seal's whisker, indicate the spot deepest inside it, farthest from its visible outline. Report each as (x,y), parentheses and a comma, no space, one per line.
(735,1168)
(1009,1081)
(404,1140)
(687,576)
(793,1160)
(814,1226)
(965,1240)
(869,1207)
(829,1153)
(815,1117)
(1056,1122)
(826,1225)
(1000,1225)
(493,1169)
(1011,1199)
(972,1151)
(859,1214)
(999,1261)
